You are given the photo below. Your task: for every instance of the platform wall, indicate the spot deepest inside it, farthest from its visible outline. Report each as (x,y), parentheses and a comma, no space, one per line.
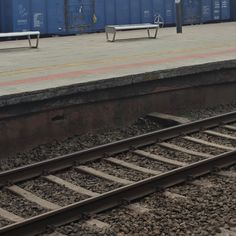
(79,16)
(76,110)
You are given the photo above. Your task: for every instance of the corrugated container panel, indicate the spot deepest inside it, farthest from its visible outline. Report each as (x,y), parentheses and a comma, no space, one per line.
(206,10)
(135,11)
(147,15)
(1,16)
(216,7)
(38,16)
(99,18)
(191,11)
(122,12)
(169,12)
(16,15)
(56,17)
(110,12)
(225,9)
(79,16)
(233,9)
(159,8)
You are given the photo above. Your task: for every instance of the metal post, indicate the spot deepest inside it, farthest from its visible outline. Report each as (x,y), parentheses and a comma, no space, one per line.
(178,4)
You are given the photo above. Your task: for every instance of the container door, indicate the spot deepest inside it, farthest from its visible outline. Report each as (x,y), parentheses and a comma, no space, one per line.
(99,15)
(169,12)
(21,15)
(158,8)
(225,9)
(206,11)
(135,11)
(122,12)
(147,11)
(216,10)
(39,16)
(79,15)
(191,11)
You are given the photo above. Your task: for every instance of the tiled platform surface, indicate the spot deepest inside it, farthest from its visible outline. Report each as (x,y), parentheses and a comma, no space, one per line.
(82,59)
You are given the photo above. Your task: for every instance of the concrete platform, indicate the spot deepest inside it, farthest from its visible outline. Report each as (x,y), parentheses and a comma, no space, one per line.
(88,61)
(73,85)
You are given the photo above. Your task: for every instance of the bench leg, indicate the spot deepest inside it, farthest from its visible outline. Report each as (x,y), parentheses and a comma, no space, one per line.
(155,34)
(37,42)
(107,36)
(113,38)
(29,39)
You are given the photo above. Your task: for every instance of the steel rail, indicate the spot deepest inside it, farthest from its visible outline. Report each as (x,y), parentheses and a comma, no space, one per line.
(116,197)
(48,166)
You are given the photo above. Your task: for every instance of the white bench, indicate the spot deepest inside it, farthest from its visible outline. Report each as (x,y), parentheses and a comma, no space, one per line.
(112,29)
(22,34)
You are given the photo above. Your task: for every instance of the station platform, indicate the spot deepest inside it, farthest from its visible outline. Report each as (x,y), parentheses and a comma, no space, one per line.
(88,60)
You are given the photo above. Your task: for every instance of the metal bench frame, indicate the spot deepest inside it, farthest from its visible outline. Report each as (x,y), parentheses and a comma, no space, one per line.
(112,29)
(21,34)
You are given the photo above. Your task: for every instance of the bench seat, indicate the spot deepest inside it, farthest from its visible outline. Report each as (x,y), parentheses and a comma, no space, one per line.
(21,34)
(112,29)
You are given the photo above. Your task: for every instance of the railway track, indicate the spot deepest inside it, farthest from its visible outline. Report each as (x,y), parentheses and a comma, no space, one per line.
(150,162)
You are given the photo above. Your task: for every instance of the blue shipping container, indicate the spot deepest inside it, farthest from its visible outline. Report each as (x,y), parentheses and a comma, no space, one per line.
(56,17)
(147,11)
(122,12)
(71,16)
(216,10)
(79,15)
(233,9)
(38,16)
(99,19)
(206,11)
(135,11)
(191,11)
(110,12)
(15,15)
(1,16)
(158,8)
(225,9)
(169,12)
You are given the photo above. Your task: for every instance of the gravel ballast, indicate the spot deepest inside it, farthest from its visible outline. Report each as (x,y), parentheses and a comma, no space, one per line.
(202,213)
(19,206)
(197,114)
(4,222)
(89,182)
(119,171)
(212,139)
(52,192)
(146,162)
(175,155)
(76,143)
(195,147)
(79,142)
